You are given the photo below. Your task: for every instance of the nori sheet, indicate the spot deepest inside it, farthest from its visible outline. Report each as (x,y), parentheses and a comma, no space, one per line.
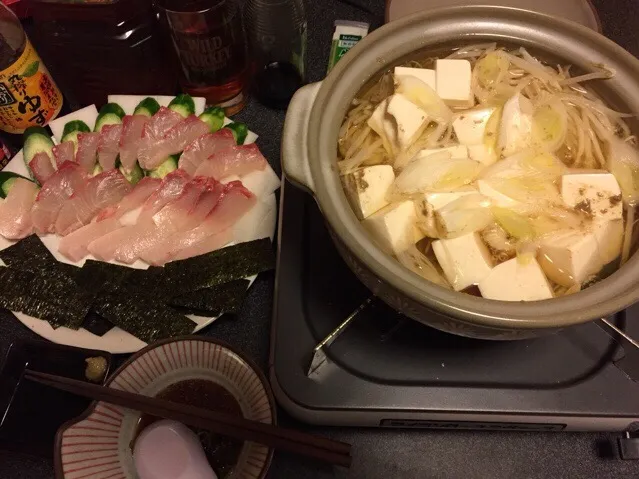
(210,302)
(97,276)
(219,267)
(49,294)
(96,324)
(141,316)
(29,254)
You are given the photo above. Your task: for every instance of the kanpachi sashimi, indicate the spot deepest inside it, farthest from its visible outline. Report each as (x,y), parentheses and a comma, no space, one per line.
(74,245)
(86,155)
(102,190)
(15,210)
(154,131)
(134,199)
(41,167)
(55,191)
(236,160)
(206,145)
(65,151)
(132,128)
(109,146)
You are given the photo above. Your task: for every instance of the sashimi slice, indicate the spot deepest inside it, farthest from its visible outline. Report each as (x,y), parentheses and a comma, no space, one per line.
(160,253)
(86,155)
(74,245)
(132,128)
(60,186)
(167,221)
(109,146)
(237,160)
(15,210)
(170,189)
(102,190)
(154,131)
(65,151)
(41,167)
(134,199)
(208,244)
(206,145)
(174,141)
(233,205)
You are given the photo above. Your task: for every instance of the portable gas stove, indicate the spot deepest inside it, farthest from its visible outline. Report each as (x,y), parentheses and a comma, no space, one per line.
(341,357)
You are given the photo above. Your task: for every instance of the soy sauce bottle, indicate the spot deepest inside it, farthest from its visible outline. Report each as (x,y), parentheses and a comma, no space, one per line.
(276,31)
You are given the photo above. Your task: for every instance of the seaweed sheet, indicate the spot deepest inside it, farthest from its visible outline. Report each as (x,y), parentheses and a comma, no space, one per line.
(224,298)
(143,318)
(28,254)
(96,324)
(50,295)
(219,267)
(98,276)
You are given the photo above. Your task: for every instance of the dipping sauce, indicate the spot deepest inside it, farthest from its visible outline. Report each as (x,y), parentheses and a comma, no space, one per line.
(222,452)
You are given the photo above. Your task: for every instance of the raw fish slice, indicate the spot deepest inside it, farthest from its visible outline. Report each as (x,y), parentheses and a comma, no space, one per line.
(69,178)
(41,167)
(206,145)
(74,245)
(132,128)
(174,141)
(208,244)
(164,223)
(109,146)
(15,210)
(237,160)
(160,253)
(102,190)
(134,199)
(234,204)
(154,131)
(170,189)
(65,151)
(87,150)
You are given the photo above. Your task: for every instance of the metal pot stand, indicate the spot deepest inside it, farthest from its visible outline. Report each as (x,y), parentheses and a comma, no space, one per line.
(382,369)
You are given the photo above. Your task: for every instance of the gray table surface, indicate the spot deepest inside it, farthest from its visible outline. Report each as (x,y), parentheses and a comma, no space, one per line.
(386,453)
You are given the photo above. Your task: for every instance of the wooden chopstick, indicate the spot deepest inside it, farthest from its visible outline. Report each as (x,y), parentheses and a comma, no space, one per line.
(327,450)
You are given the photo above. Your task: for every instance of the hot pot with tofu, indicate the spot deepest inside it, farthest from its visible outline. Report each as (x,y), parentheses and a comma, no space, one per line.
(478,170)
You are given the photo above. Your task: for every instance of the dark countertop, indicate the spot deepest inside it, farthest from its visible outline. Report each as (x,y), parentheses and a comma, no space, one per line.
(386,453)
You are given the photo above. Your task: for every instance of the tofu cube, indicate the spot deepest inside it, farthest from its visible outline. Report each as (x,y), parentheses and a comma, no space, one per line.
(572,257)
(410,120)
(456,152)
(597,194)
(424,74)
(382,124)
(470,126)
(393,226)
(497,197)
(516,280)
(465,260)
(453,80)
(366,188)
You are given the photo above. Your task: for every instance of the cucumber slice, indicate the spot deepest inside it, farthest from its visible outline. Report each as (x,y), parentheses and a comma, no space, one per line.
(214,117)
(87,114)
(7,179)
(71,131)
(183,104)
(169,165)
(133,176)
(110,114)
(147,107)
(239,130)
(97,169)
(36,140)
(130,102)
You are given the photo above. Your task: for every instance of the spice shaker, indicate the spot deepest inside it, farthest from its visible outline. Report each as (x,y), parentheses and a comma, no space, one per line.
(276,31)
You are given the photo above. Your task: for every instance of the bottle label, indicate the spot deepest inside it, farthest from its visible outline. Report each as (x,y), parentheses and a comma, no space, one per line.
(28,95)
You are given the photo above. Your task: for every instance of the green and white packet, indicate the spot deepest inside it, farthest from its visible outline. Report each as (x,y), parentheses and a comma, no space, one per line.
(345,37)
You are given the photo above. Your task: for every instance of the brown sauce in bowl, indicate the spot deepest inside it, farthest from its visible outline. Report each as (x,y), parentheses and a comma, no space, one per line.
(222,452)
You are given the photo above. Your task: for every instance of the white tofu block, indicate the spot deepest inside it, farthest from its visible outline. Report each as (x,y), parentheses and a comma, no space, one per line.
(516,280)
(393,226)
(570,258)
(497,197)
(598,194)
(424,74)
(383,125)
(453,79)
(366,188)
(410,120)
(88,114)
(465,260)
(456,152)
(438,200)
(470,126)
